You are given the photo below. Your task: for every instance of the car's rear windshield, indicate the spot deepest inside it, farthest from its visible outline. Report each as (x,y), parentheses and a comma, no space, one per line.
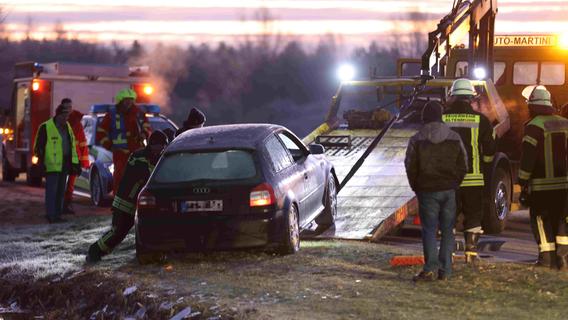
(218,165)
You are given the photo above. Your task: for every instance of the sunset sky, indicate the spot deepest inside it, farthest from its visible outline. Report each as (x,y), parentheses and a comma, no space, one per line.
(168,21)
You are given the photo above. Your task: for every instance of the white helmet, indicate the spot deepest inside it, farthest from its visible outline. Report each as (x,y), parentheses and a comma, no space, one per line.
(540,96)
(462,87)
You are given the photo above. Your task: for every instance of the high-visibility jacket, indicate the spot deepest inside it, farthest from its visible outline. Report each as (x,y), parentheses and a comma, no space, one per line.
(136,175)
(48,146)
(80,139)
(478,139)
(123,130)
(544,161)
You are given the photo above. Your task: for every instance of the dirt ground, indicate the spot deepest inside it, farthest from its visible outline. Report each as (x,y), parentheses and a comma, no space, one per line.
(43,275)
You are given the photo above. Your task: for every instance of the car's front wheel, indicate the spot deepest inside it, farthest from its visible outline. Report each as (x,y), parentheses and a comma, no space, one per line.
(327,217)
(500,203)
(97,190)
(291,236)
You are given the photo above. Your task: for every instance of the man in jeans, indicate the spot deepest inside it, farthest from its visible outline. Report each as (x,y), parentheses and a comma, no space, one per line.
(435,166)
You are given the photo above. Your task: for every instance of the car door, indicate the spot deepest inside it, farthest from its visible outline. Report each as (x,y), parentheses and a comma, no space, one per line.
(288,175)
(313,180)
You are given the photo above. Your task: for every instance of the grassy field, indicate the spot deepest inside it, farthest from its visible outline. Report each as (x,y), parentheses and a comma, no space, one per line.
(41,268)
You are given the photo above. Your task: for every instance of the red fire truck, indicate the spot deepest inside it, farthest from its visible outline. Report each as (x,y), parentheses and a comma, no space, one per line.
(39,88)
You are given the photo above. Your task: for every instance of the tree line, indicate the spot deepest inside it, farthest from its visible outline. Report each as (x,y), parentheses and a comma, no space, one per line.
(265,81)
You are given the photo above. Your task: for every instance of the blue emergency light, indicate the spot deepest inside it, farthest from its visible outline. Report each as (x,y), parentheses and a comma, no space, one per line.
(146,108)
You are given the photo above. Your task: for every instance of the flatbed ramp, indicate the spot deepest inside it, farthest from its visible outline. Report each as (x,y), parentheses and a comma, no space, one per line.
(377,198)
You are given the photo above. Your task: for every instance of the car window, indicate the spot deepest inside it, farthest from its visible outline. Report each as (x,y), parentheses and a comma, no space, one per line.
(293,147)
(218,165)
(279,157)
(89,129)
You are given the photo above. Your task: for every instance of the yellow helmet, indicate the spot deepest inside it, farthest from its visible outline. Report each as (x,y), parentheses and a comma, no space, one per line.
(540,96)
(462,87)
(124,94)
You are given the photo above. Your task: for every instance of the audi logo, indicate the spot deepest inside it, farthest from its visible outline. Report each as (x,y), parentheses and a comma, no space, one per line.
(201,190)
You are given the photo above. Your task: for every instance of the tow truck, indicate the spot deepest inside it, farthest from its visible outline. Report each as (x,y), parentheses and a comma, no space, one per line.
(38,89)
(374,196)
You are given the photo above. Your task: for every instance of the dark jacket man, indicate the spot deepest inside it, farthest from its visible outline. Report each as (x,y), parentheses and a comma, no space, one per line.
(195,119)
(435,166)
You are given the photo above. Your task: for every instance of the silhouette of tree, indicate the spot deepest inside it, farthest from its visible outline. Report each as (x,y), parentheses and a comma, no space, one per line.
(59,30)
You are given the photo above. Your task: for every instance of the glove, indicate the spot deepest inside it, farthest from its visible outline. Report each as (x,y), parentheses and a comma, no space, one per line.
(525,197)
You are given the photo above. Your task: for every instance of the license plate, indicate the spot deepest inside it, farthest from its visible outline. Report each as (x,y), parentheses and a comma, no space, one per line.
(201,205)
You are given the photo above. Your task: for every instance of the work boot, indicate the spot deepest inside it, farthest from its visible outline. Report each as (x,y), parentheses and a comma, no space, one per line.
(424,276)
(68,209)
(442,276)
(546,259)
(94,254)
(562,262)
(471,240)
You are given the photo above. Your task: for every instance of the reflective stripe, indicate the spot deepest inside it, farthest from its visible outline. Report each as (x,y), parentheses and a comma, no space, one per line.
(530,140)
(103,140)
(540,181)
(123,205)
(475,183)
(488,159)
(470,253)
(544,245)
(550,187)
(562,240)
(101,129)
(524,175)
(475,149)
(548,163)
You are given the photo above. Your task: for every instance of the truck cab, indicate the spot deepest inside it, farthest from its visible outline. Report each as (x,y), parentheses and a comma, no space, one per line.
(520,63)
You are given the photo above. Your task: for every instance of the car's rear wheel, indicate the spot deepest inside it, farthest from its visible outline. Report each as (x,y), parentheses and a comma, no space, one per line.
(97,191)
(327,217)
(144,256)
(291,236)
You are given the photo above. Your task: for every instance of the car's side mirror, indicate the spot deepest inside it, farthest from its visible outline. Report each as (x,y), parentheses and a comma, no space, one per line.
(316,148)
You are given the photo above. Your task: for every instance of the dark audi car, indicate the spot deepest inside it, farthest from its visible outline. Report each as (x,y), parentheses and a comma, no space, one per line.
(235,186)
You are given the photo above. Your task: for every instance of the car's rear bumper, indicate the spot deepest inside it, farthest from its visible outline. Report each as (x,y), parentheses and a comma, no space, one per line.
(173,232)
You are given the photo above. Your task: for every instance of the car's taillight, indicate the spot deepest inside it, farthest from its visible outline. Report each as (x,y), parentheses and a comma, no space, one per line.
(262,195)
(146,200)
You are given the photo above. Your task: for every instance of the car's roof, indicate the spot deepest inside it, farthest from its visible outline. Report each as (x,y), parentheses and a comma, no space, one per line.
(239,136)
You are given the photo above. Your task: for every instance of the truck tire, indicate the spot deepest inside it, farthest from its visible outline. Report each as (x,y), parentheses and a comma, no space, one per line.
(290,243)
(327,217)
(8,174)
(499,206)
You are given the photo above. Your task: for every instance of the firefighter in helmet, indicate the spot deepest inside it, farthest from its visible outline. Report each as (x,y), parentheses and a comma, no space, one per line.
(138,169)
(476,133)
(543,177)
(123,130)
